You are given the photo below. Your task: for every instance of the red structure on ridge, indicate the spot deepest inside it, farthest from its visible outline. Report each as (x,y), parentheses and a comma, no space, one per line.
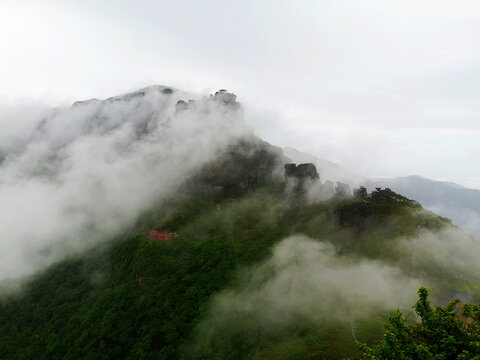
(161,234)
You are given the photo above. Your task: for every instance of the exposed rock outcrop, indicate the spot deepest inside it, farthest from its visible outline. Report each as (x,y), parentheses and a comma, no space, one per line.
(343,190)
(221,97)
(225,97)
(302,171)
(360,193)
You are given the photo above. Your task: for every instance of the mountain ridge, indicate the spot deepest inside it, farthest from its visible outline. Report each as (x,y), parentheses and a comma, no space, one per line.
(261,267)
(448,199)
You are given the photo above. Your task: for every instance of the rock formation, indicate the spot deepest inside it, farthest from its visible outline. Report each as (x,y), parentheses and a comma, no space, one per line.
(221,97)
(342,190)
(302,171)
(360,193)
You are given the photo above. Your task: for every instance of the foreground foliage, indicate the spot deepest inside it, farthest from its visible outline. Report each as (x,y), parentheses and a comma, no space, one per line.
(449,332)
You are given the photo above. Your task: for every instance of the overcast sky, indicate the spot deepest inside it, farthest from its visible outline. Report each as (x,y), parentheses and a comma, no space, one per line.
(386,88)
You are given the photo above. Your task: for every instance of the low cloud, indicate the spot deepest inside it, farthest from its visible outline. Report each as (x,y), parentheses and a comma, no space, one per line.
(76,176)
(448,258)
(467,218)
(304,279)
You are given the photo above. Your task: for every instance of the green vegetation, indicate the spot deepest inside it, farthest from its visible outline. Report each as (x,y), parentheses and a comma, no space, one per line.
(142,299)
(449,332)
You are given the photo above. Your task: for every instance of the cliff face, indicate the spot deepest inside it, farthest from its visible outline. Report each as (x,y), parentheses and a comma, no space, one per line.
(302,171)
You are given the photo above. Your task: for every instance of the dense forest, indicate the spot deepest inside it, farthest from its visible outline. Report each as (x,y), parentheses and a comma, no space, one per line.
(189,298)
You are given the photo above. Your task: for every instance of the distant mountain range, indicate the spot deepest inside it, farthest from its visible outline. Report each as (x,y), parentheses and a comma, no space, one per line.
(448,199)
(328,170)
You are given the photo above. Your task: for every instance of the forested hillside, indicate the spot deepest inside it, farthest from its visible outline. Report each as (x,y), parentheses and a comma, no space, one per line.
(258,270)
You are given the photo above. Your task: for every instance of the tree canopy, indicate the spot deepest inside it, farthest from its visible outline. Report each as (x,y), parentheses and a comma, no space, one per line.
(442,332)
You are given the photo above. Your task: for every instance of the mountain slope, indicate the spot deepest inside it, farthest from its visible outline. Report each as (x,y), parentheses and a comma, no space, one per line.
(147,299)
(451,200)
(258,269)
(86,172)
(448,199)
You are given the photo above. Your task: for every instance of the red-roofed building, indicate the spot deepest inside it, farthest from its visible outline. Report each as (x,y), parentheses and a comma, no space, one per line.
(161,234)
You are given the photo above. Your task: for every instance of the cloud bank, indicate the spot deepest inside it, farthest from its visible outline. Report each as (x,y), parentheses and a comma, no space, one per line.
(304,279)
(73,177)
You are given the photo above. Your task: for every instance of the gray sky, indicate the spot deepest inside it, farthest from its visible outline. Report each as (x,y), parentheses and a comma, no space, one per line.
(386,88)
